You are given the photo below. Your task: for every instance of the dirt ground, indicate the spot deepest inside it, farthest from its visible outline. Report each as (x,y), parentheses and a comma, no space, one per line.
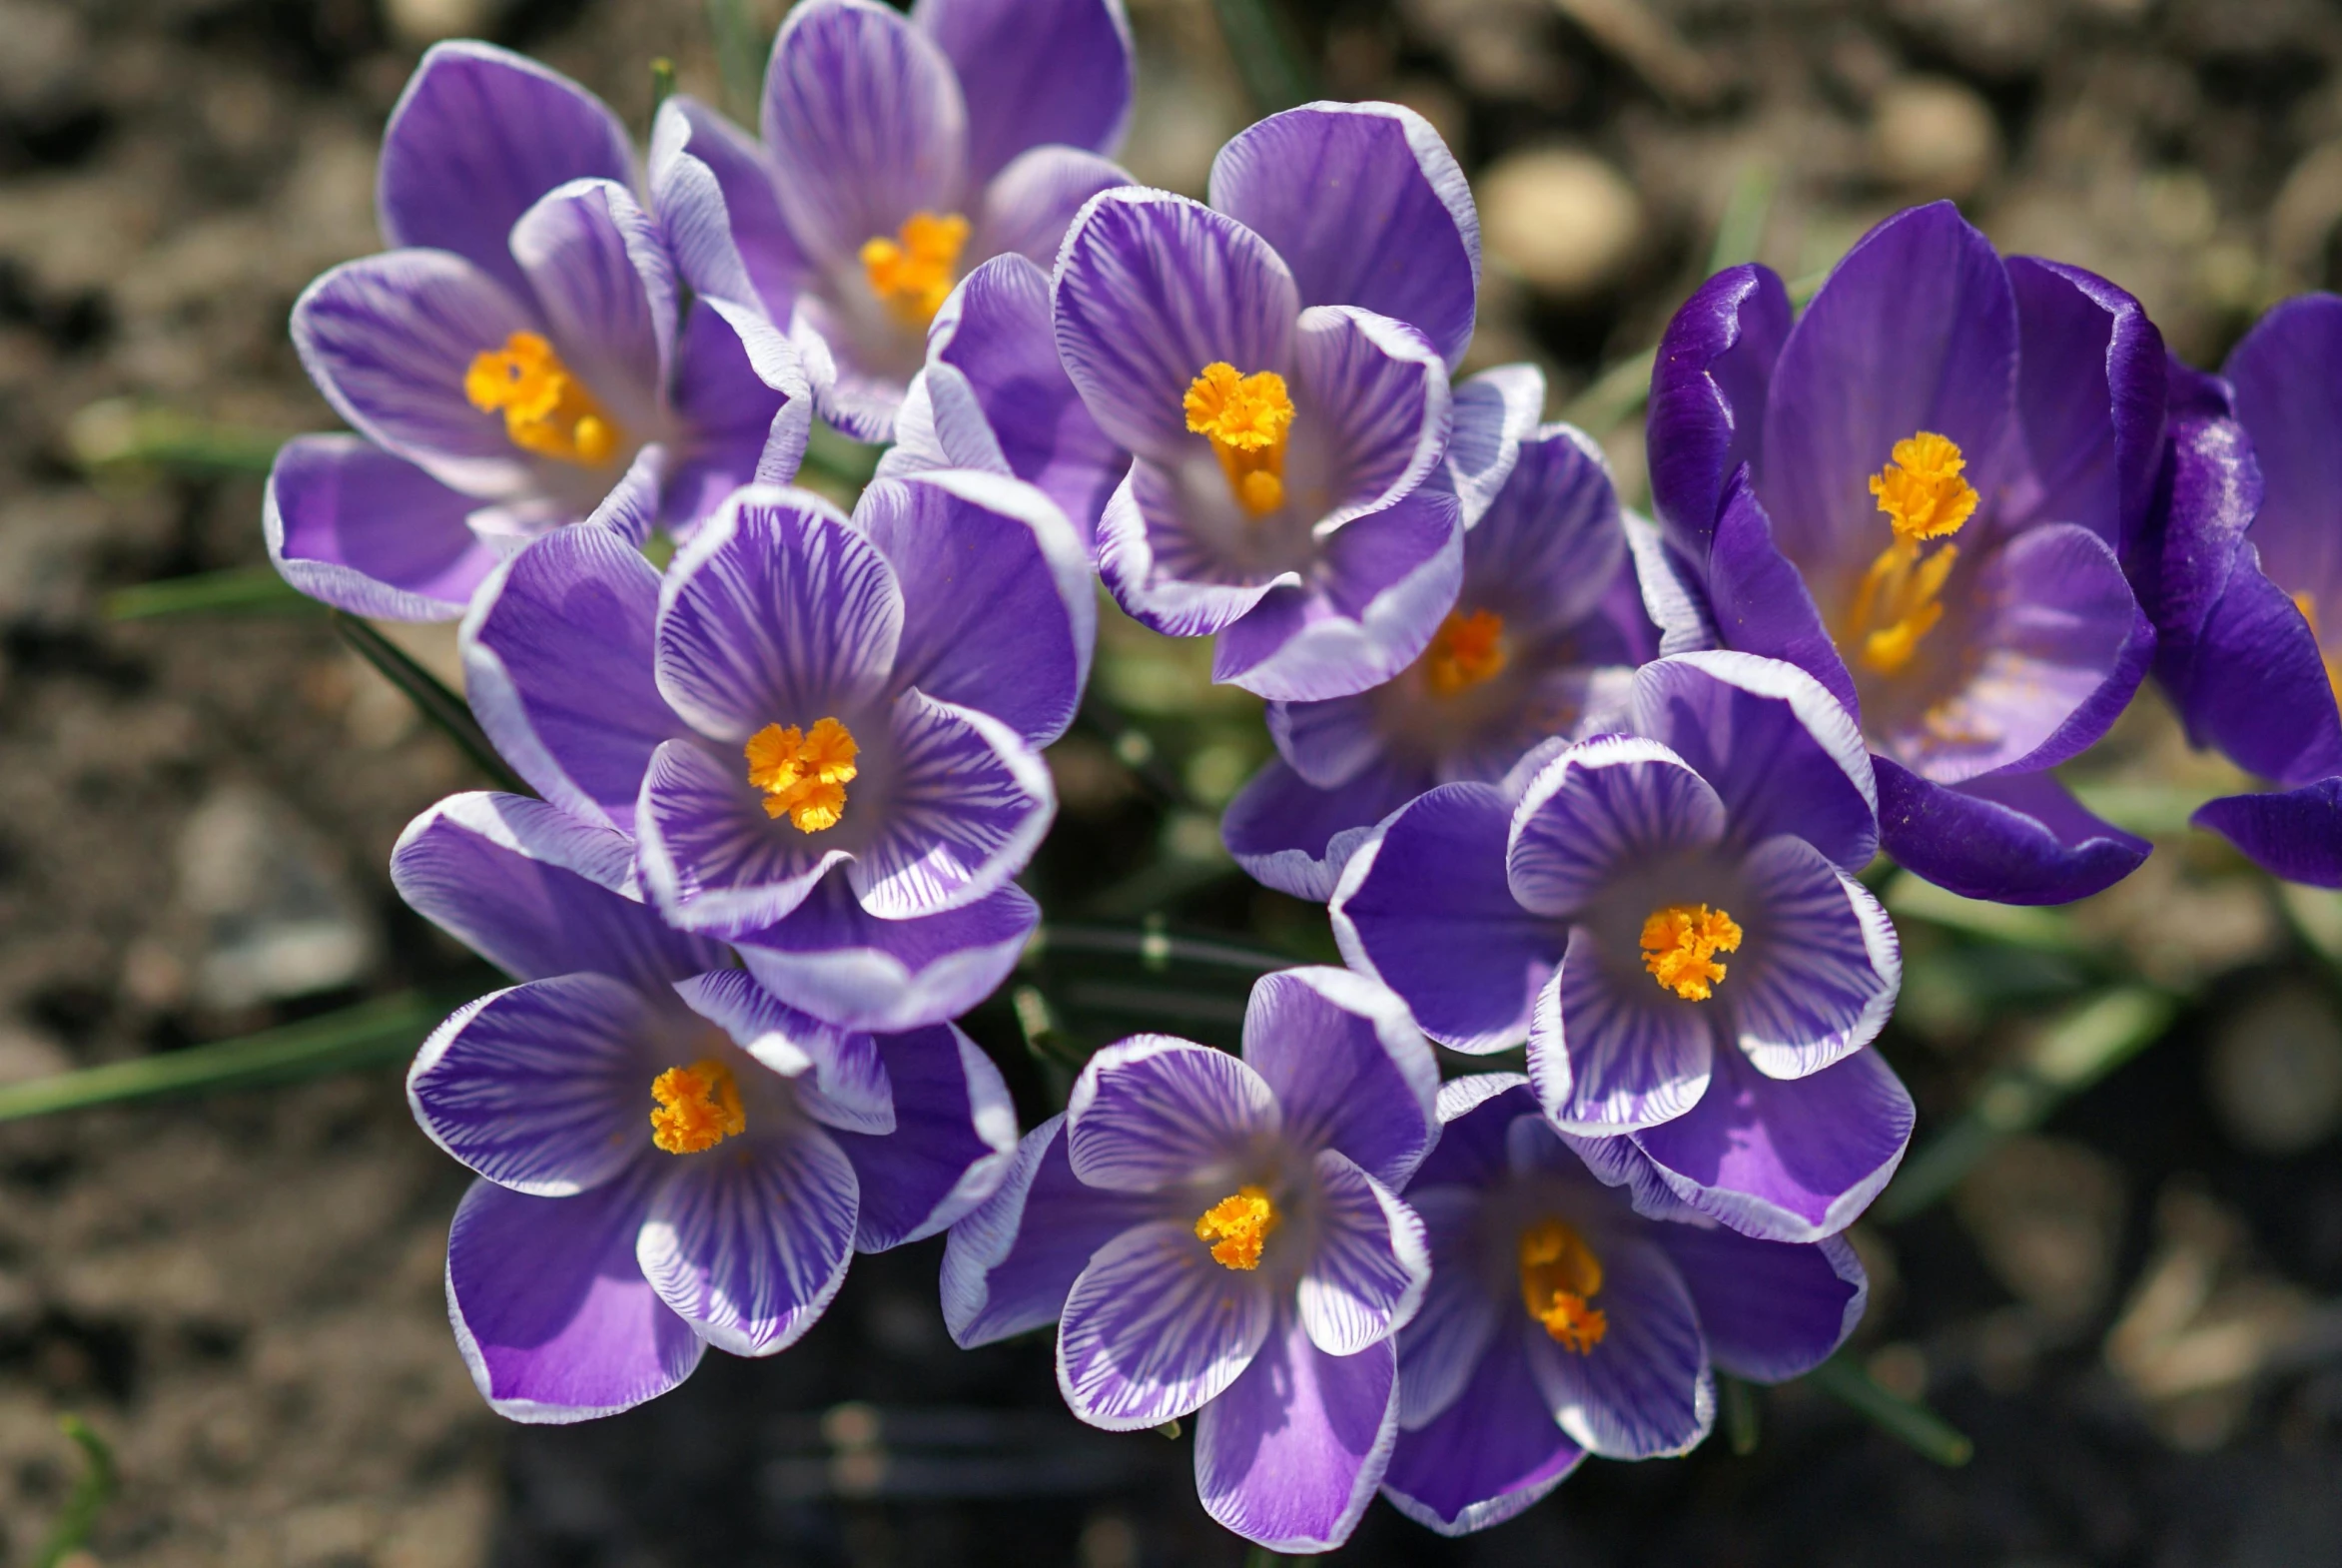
(2131,1311)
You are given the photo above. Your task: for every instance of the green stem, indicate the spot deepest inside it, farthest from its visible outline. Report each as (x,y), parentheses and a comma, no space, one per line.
(1742,227)
(91,1493)
(1842,1379)
(116,431)
(1261,47)
(1155,948)
(1740,1415)
(428,693)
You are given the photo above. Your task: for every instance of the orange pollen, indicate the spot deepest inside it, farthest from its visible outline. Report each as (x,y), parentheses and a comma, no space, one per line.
(2307,603)
(912,274)
(698,1107)
(803,776)
(1559,1275)
(1466,650)
(1249,418)
(547,408)
(1240,1222)
(1899,599)
(1680,944)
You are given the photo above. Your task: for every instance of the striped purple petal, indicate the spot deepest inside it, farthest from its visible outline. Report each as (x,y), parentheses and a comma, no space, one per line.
(363,530)
(1290,1454)
(1148,1112)
(1154,1328)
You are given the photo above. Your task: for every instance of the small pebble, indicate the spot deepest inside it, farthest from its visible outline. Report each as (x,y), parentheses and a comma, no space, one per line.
(2276,1072)
(1569,222)
(1933,137)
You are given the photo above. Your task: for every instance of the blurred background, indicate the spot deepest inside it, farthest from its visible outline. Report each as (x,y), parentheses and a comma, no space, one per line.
(2113,1261)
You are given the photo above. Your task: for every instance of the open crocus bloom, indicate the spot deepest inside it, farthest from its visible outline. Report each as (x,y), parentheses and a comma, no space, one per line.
(1920,493)
(1223,1236)
(519,362)
(1564,1319)
(1670,919)
(822,733)
(1544,636)
(898,154)
(2245,582)
(1277,364)
(671,1158)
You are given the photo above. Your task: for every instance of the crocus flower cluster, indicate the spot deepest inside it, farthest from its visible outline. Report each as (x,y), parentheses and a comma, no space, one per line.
(1570,781)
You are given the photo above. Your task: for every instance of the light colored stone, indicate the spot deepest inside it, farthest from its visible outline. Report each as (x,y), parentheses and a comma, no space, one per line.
(1566,220)
(2048,1218)
(2276,1072)
(418,22)
(280,916)
(1933,137)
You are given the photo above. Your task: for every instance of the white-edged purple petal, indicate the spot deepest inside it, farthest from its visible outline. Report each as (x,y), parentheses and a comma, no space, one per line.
(539,893)
(744,409)
(1367,207)
(1495,413)
(863,123)
(1290,1454)
(1148,1112)
(1550,545)
(1149,289)
(848,1087)
(1012,1259)
(358,528)
(1770,1310)
(1367,1274)
(1381,392)
(1672,595)
(1155,1328)
(1819,966)
(1645,1389)
(842,964)
(1035,71)
(1349,1069)
(966,805)
(606,284)
(711,858)
(388,339)
(1027,209)
(1611,1050)
(1171,571)
(1441,1346)
(720,211)
(1494,1450)
(550,1311)
(954,1139)
(1291,835)
(478,134)
(1602,809)
(750,1246)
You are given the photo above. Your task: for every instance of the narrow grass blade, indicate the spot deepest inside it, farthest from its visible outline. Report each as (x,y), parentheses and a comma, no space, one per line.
(662,82)
(1260,43)
(1156,948)
(1842,1379)
(239,590)
(1740,1415)
(117,432)
(90,1495)
(367,1035)
(1742,228)
(426,690)
(739,56)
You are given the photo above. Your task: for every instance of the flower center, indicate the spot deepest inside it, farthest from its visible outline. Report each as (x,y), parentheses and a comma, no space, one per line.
(2307,603)
(547,408)
(1897,603)
(803,776)
(1237,1226)
(698,1107)
(1680,944)
(1559,1275)
(912,274)
(1247,419)
(1466,650)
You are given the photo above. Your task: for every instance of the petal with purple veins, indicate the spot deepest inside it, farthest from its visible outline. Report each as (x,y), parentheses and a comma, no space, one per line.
(1599,810)
(358,528)
(1611,1051)
(1367,1275)
(1819,965)
(712,858)
(1381,393)
(745,410)
(1551,543)
(954,1138)
(1155,1328)
(1495,412)
(966,806)
(1491,1453)
(840,963)
(1035,71)
(606,284)
(1349,1069)
(1440,1349)
(1029,205)
(1644,1390)
(846,1084)
(1290,1454)
(713,188)
(1148,1112)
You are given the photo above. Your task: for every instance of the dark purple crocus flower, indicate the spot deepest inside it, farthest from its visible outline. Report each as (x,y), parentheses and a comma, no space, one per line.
(1278,363)
(1922,494)
(2245,579)
(898,153)
(520,362)
(670,1158)
(823,733)
(1670,917)
(1564,1319)
(1223,1237)
(1543,639)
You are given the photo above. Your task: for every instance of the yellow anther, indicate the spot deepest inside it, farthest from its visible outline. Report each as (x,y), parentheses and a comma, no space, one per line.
(2307,603)
(1240,1222)
(1680,944)
(803,776)
(913,272)
(1899,600)
(1464,651)
(547,408)
(1559,1275)
(1247,419)
(698,1107)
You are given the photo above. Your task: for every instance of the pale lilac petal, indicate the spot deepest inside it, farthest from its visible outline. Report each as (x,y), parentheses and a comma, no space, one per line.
(1028,207)
(1491,1453)
(1604,808)
(353,526)
(954,1139)
(1550,545)
(865,125)
(606,284)
(711,858)
(388,339)
(841,964)
(745,410)
(749,1247)
(531,890)
(1349,1069)
(1147,1111)
(1172,570)
(779,611)
(1610,1051)
(1367,207)
(1441,1346)
(1149,289)
(844,1082)
(1674,591)
(1495,412)
(550,1311)
(478,134)
(1381,393)
(1645,1389)
(1291,835)
(1155,1328)
(1819,965)
(1366,1277)
(1770,1310)
(1290,1455)
(1035,71)
(1012,1260)
(966,805)
(721,212)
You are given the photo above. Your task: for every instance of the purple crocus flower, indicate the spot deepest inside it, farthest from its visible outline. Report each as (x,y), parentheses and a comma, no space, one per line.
(608,1242)
(2245,582)
(519,361)
(1223,1236)
(1279,364)
(1670,917)
(1563,1320)
(1543,639)
(1920,493)
(898,153)
(822,733)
